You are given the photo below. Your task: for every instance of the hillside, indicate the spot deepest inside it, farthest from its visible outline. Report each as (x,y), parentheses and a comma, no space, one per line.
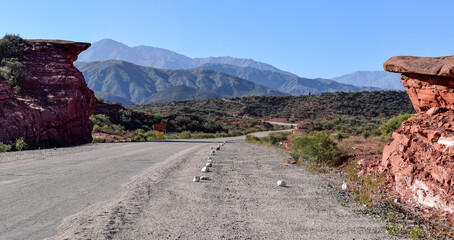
(295,108)
(179,93)
(380,79)
(108,49)
(293,85)
(136,83)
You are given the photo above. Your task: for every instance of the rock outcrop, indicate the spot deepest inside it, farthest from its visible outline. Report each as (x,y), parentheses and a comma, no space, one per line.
(55,103)
(419,162)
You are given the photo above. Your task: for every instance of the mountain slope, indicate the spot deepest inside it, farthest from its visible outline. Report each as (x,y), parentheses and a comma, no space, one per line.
(179,92)
(136,83)
(380,79)
(108,49)
(285,83)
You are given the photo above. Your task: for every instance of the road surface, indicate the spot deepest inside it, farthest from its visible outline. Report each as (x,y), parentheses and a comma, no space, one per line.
(145,191)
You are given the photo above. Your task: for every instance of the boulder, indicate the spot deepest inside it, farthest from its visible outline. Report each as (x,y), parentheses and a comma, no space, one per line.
(55,103)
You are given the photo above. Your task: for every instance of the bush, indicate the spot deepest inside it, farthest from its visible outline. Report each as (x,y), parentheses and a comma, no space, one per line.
(11,71)
(252,139)
(393,124)
(10,68)
(339,136)
(98,140)
(159,135)
(10,46)
(102,123)
(276,138)
(20,144)
(184,135)
(5,147)
(318,147)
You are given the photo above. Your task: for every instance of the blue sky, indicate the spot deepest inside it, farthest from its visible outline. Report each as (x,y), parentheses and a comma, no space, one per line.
(317,38)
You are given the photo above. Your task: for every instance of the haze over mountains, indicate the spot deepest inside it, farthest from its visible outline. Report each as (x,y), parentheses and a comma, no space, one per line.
(136,77)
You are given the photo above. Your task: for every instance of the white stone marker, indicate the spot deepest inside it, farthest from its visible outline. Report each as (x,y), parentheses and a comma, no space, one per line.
(281,183)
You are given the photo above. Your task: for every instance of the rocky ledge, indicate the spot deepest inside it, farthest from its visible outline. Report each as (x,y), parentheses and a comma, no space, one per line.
(55,103)
(419,162)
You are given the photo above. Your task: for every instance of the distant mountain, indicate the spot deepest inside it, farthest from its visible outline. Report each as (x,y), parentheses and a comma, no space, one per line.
(285,83)
(113,98)
(108,49)
(178,93)
(380,79)
(136,83)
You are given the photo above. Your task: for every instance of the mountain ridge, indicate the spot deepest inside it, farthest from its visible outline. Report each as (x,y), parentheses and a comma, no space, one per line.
(136,83)
(293,85)
(108,49)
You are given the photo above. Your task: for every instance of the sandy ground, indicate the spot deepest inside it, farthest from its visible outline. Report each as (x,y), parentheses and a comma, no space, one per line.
(241,201)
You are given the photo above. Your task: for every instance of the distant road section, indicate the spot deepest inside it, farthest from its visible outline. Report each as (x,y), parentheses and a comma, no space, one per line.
(283,124)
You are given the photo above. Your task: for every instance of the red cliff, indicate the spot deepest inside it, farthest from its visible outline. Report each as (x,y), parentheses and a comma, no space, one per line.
(419,162)
(55,103)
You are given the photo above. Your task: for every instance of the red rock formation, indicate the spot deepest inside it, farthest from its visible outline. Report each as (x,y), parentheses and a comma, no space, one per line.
(55,103)
(429,81)
(419,162)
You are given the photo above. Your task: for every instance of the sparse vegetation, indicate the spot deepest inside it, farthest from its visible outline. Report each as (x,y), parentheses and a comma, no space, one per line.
(10,68)
(393,124)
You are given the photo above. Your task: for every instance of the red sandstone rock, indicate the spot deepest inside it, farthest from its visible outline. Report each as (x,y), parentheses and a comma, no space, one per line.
(419,162)
(54,103)
(433,66)
(429,81)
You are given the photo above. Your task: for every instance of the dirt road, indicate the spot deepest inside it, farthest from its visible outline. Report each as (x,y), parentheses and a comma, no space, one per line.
(241,201)
(38,189)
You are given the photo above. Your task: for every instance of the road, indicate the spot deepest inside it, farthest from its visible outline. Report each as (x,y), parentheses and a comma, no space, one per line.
(145,191)
(40,188)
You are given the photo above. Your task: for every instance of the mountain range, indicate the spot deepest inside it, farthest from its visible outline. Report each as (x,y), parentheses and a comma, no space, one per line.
(290,84)
(136,83)
(108,49)
(143,71)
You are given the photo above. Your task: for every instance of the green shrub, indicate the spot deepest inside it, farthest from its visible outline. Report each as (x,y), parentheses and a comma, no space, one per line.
(339,136)
(12,71)
(184,135)
(102,123)
(20,144)
(5,147)
(276,138)
(199,135)
(221,135)
(98,140)
(393,124)
(10,46)
(10,68)
(252,139)
(159,135)
(318,147)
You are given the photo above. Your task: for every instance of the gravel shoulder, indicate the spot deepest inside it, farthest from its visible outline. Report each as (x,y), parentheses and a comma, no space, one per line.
(241,201)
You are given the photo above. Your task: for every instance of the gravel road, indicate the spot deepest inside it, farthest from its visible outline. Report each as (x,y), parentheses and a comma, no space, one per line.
(38,189)
(241,201)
